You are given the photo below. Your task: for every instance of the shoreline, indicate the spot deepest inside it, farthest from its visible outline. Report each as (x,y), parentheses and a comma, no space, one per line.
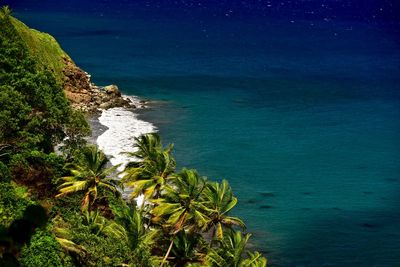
(90,98)
(114,130)
(118,125)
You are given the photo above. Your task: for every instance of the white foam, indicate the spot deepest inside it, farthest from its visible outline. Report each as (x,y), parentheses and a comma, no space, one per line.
(134,100)
(123,126)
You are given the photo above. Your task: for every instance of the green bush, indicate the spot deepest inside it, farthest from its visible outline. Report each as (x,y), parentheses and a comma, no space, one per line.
(44,250)
(13,114)
(67,206)
(12,203)
(100,249)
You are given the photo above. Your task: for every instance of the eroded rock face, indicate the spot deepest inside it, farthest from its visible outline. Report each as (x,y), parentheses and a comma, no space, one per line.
(85,95)
(78,97)
(112,90)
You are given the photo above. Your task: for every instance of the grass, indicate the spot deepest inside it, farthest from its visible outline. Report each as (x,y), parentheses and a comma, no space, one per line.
(43,47)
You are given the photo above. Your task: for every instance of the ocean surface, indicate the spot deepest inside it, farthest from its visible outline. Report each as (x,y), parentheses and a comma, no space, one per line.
(300,111)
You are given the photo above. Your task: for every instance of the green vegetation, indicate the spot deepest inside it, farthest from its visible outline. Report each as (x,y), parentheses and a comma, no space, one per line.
(64,207)
(154,168)
(44,250)
(89,175)
(43,48)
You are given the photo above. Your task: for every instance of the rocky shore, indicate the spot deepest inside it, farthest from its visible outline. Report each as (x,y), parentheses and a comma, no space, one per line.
(88,97)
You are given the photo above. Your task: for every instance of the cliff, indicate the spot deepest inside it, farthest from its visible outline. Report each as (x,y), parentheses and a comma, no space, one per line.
(80,91)
(85,95)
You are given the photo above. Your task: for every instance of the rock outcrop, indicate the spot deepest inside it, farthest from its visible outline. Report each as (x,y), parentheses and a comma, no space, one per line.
(86,96)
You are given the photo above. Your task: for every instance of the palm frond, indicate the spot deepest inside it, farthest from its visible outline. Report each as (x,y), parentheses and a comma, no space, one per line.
(254,260)
(87,174)
(62,236)
(229,221)
(72,187)
(70,246)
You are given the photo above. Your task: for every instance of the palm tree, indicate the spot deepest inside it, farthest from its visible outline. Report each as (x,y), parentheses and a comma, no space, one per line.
(100,225)
(181,205)
(146,145)
(188,249)
(132,220)
(219,200)
(155,165)
(148,176)
(139,239)
(230,252)
(89,175)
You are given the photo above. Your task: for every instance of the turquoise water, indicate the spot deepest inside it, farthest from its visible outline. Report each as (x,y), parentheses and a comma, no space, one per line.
(302,117)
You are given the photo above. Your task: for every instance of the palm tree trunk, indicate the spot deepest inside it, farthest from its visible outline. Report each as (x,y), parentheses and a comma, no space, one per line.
(168,251)
(178,227)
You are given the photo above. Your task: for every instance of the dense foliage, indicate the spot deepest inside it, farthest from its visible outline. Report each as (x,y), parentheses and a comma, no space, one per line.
(64,207)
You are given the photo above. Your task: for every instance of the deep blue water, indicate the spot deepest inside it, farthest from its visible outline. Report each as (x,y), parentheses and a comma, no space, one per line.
(297,105)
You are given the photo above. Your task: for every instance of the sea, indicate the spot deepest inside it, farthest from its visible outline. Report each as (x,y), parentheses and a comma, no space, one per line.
(296,103)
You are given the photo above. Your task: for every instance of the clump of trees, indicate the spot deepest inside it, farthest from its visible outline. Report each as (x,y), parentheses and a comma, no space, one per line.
(183,221)
(66,208)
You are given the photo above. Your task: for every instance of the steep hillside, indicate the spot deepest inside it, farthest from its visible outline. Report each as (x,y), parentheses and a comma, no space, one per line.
(43,47)
(48,55)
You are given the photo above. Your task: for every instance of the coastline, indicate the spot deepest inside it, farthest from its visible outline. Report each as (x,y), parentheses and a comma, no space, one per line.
(114,130)
(88,97)
(111,116)
(273,135)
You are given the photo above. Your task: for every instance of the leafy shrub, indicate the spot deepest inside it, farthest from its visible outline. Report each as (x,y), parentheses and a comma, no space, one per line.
(101,249)
(44,250)
(67,206)
(12,204)
(13,114)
